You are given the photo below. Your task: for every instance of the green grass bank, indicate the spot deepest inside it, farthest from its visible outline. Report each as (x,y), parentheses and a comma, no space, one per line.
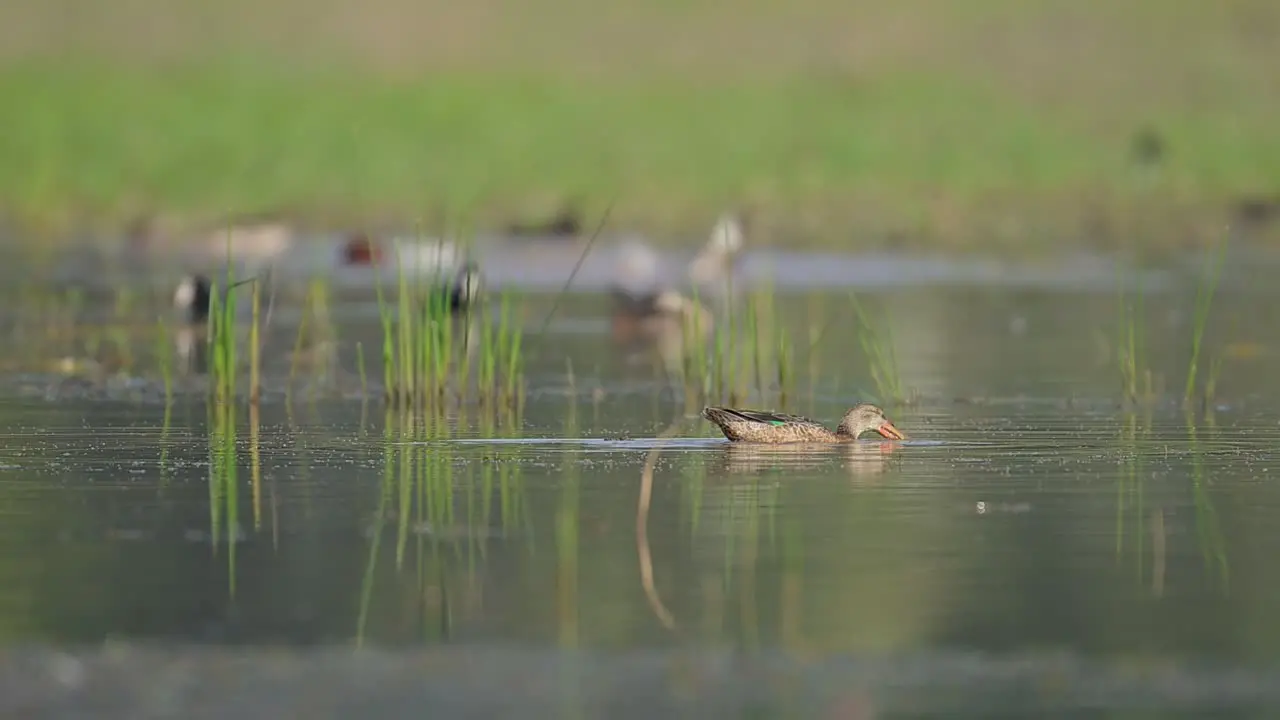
(960,129)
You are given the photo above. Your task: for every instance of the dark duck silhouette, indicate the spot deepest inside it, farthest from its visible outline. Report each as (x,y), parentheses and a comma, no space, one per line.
(193,297)
(566,223)
(460,294)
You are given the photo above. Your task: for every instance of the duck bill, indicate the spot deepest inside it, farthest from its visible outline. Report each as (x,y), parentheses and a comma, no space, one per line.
(891,432)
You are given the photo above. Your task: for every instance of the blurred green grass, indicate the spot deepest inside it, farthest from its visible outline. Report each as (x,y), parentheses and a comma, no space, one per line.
(979,122)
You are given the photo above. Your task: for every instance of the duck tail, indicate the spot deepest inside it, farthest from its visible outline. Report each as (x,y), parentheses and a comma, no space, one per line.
(718,415)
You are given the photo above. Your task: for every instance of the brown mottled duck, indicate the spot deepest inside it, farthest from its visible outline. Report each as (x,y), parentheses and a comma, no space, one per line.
(769,427)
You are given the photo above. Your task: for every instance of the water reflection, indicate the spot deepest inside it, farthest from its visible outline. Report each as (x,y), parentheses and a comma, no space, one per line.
(1208,532)
(439,515)
(452,522)
(224,504)
(1044,518)
(863,460)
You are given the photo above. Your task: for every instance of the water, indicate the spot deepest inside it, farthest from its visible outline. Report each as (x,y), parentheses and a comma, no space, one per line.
(1034,548)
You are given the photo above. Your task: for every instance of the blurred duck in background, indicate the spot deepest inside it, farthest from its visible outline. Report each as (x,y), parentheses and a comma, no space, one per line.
(251,243)
(461,293)
(192,299)
(650,314)
(715,266)
(644,303)
(565,223)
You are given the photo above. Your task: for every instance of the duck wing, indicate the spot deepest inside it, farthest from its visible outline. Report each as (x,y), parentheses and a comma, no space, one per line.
(770,418)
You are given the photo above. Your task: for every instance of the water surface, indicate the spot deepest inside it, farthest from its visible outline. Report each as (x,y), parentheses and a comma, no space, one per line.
(1036,546)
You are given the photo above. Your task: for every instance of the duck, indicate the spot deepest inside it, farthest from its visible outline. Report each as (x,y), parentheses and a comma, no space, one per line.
(1257,210)
(714,265)
(462,292)
(1147,147)
(192,298)
(360,249)
(758,426)
(191,301)
(566,223)
(453,301)
(657,315)
(254,241)
(640,270)
(666,323)
(418,256)
(647,313)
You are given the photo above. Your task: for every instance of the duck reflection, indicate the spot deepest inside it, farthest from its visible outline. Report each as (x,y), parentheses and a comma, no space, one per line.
(666,323)
(862,460)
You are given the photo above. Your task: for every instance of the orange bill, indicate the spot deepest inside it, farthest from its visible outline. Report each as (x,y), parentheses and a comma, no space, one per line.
(889,431)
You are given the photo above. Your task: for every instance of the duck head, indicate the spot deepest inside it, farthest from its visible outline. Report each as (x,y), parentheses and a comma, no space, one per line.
(864,418)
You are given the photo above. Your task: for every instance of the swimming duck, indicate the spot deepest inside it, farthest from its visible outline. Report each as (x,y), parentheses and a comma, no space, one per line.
(256,241)
(1147,146)
(665,323)
(463,291)
(360,249)
(452,301)
(658,315)
(715,264)
(192,298)
(769,427)
(566,223)
(640,271)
